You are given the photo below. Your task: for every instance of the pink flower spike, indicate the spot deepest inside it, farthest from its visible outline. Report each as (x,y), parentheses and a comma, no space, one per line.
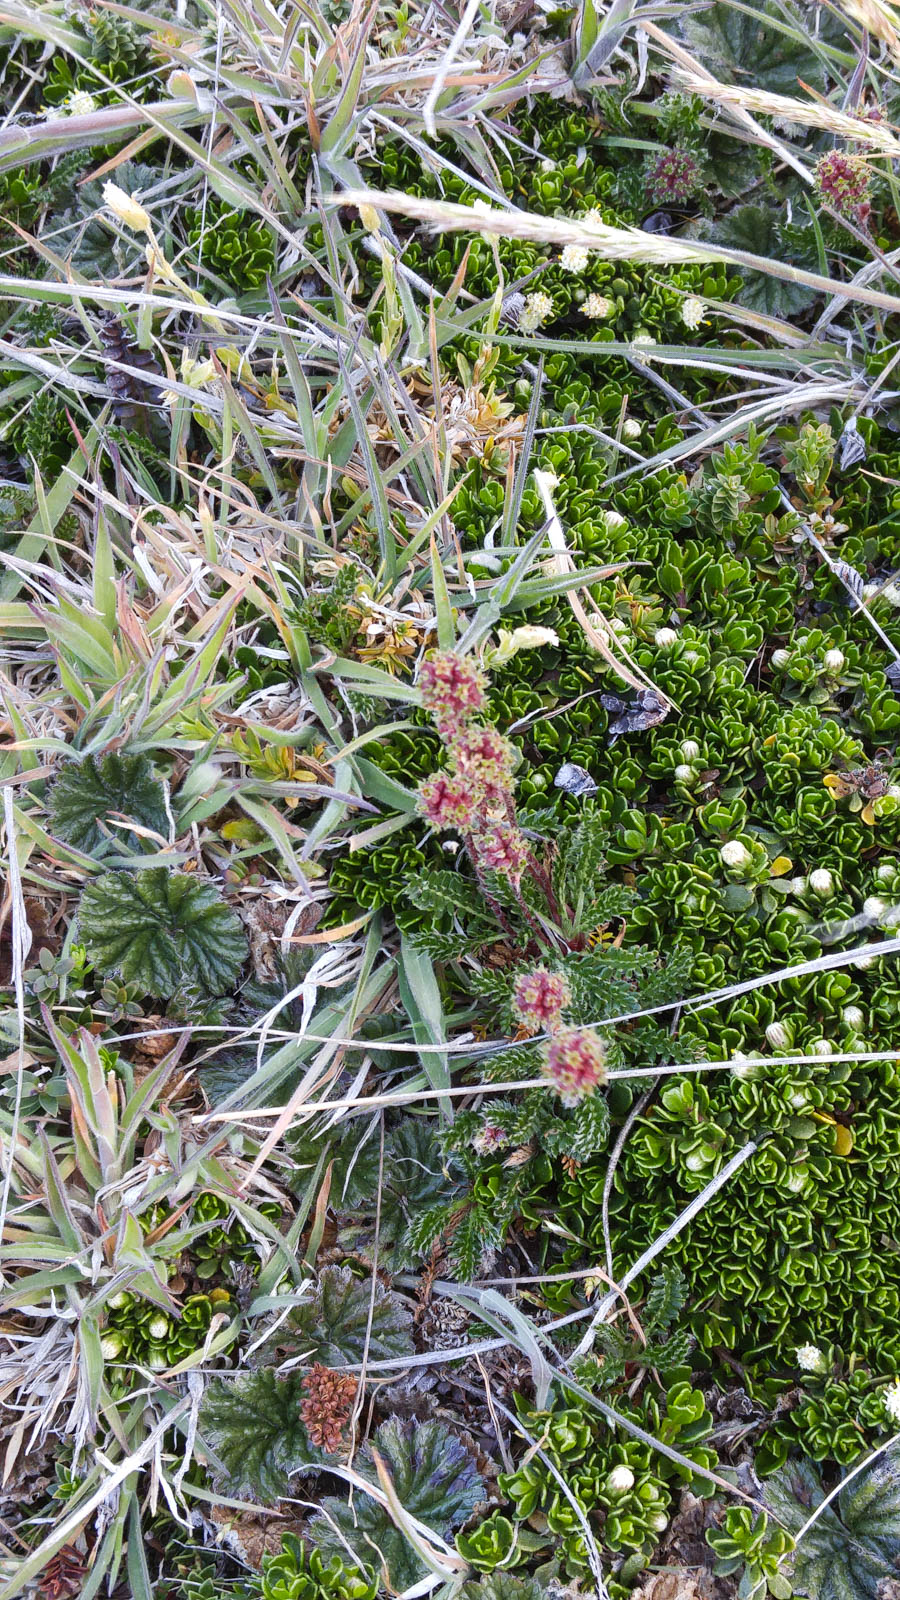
(575,1063)
(503,850)
(452,689)
(489,1138)
(539,999)
(449,802)
(843,182)
(674,176)
(483,754)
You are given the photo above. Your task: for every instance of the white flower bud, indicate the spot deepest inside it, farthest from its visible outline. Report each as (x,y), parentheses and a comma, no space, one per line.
(797,1179)
(690,750)
(620,1480)
(613,519)
(664,638)
(684,773)
(660,1522)
(777,1035)
(574,258)
(158,1327)
(742,1067)
(822,1047)
(110,1346)
(821,882)
(695,1162)
(692,310)
(874,907)
(734,854)
(853,1018)
(886,871)
(631,428)
(810,1358)
(833,660)
(619,626)
(798,1100)
(780,659)
(798,886)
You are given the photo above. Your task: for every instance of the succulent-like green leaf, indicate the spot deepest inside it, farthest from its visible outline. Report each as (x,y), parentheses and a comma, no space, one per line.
(88,792)
(331,1326)
(435,1480)
(161,931)
(254,1427)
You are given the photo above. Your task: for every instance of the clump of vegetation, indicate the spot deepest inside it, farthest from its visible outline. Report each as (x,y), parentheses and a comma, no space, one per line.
(450,618)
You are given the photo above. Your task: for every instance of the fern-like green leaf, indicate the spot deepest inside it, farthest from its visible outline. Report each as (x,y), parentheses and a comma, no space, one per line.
(89,792)
(665,1298)
(331,1327)
(161,931)
(253,1425)
(435,1480)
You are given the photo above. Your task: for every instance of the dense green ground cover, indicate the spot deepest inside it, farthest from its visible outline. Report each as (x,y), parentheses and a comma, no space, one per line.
(451,692)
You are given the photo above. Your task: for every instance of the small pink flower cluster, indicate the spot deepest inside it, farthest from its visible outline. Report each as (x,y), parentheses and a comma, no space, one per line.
(842,181)
(575,1063)
(539,999)
(475,796)
(674,176)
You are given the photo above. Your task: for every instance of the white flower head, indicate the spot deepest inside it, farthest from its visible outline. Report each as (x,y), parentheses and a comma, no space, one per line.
(810,1358)
(779,659)
(620,1480)
(574,258)
(891,1399)
(690,750)
(874,907)
(778,1036)
(127,209)
(833,661)
(692,311)
(528,637)
(821,882)
(742,1066)
(735,854)
(631,428)
(597,306)
(683,773)
(853,1018)
(664,638)
(612,520)
(80,104)
(822,1047)
(537,308)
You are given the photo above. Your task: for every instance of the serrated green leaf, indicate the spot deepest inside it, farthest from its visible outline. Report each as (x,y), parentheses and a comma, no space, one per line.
(88,792)
(161,931)
(254,1427)
(332,1325)
(435,1480)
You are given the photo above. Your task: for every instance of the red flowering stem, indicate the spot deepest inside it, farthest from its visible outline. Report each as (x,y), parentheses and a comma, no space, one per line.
(545,883)
(495,905)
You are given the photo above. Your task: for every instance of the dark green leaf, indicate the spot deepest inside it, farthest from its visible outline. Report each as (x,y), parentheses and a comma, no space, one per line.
(89,792)
(161,931)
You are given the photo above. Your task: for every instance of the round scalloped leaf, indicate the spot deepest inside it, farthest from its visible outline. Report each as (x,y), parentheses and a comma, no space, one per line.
(161,931)
(343,1322)
(435,1480)
(90,791)
(253,1425)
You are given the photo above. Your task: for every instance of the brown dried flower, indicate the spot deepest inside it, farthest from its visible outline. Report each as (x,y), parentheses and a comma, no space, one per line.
(327,1403)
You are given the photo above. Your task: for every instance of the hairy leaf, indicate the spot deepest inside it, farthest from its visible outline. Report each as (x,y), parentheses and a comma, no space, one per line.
(503,1586)
(88,792)
(756,229)
(740,45)
(254,1427)
(667,1294)
(435,1480)
(332,1325)
(854,1545)
(161,931)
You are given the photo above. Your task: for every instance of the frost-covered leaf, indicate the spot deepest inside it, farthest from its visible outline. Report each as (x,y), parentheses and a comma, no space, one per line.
(331,1326)
(254,1427)
(435,1480)
(161,931)
(89,792)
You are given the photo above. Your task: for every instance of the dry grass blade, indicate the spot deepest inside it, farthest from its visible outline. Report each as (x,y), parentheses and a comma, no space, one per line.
(877,136)
(613,244)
